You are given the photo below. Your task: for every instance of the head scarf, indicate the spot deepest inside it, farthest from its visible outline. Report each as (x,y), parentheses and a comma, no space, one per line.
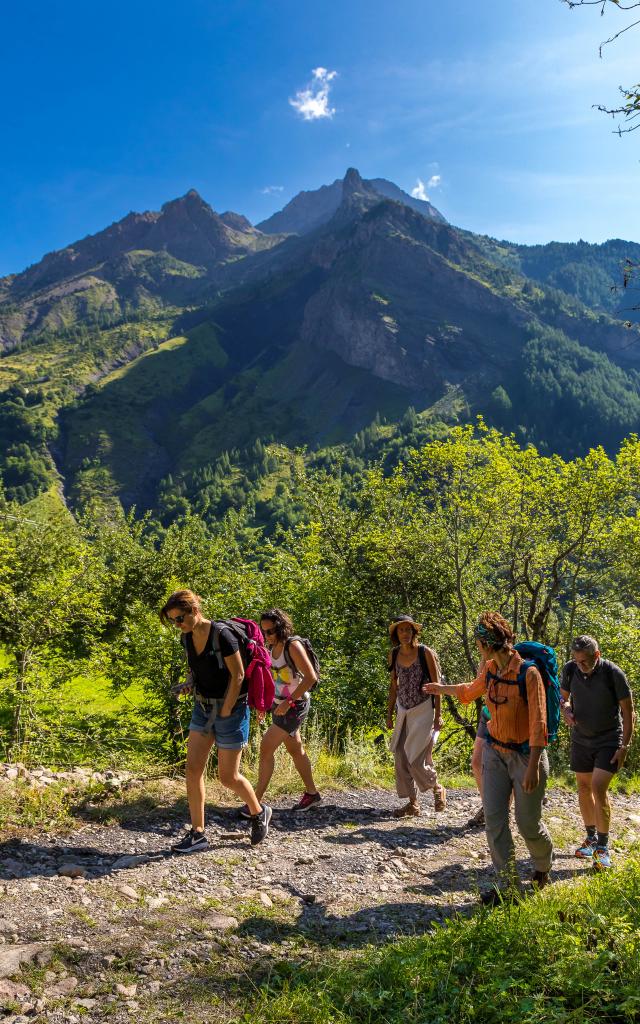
(487,636)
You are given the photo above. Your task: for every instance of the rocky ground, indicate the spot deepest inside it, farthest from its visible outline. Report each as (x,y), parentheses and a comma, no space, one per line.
(103,922)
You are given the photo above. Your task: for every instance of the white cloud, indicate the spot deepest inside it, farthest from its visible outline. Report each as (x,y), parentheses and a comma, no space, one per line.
(312,103)
(420,191)
(271,190)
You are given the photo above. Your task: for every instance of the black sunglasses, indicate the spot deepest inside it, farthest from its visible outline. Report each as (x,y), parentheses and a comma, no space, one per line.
(178,620)
(270,632)
(493,695)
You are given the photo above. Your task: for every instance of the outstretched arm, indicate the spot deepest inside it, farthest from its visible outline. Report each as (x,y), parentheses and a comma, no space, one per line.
(465,692)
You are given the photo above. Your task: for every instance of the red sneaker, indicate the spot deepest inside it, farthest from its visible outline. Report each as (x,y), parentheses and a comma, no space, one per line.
(307,800)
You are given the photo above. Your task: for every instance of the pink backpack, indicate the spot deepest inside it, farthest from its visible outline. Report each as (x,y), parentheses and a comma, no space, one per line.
(255,658)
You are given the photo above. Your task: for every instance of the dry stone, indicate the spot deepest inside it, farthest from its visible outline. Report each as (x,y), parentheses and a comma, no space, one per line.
(11,957)
(220,922)
(13,991)
(72,871)
(62,988)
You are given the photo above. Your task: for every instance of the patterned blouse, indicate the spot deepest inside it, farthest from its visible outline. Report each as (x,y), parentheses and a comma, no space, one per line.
(410,679)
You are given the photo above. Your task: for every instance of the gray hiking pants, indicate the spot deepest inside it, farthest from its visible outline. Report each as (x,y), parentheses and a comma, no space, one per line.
(503,771)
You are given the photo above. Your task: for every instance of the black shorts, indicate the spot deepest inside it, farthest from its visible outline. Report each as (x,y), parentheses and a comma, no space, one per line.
(585,759)
(294,717)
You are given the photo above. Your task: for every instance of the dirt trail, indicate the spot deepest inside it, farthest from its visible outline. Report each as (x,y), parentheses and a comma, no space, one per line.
(107,922)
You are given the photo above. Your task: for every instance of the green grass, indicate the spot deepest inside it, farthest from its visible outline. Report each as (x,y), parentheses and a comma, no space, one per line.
(571,954)
(24,807)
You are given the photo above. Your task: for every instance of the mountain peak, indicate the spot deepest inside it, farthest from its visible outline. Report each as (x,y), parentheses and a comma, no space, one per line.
(191,200)
(310,210)
(352,182)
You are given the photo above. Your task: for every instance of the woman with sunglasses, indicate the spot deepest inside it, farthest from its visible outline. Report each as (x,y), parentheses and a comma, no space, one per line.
(220,716)
(293,675)
(514,758)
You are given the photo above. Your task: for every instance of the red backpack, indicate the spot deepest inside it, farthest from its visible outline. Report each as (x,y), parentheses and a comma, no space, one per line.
(255,658)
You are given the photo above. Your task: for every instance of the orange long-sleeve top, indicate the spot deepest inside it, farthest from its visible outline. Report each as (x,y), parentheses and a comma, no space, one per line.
(513,720)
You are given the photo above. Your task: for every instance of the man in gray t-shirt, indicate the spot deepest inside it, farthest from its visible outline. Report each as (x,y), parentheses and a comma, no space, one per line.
(598,708)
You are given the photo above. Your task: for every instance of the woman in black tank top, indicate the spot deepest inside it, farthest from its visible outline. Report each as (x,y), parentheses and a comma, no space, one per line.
(220,716)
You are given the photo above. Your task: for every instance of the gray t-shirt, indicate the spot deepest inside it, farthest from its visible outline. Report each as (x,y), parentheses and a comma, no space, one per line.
(595,701)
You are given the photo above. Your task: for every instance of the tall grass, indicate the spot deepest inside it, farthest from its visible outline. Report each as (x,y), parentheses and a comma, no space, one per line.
(570,954)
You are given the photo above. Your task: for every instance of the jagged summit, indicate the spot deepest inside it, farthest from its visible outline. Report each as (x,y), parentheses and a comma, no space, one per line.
(187,228)
(352,182)
(310,210)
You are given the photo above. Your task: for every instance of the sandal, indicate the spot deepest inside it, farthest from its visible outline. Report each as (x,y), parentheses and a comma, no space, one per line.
(407,811)
(439,798)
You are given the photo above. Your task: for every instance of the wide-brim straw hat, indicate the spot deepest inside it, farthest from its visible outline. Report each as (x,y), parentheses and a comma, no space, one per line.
(404,618)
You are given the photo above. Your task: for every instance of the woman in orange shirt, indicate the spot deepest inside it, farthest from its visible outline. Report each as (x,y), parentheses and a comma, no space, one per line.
(514,758)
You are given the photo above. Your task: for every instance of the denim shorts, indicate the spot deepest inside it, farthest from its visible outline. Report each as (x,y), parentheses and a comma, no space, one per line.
(230,733)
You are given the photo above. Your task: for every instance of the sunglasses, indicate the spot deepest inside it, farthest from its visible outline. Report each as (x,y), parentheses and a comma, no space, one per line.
(495,697)
(178,619)
(270,632)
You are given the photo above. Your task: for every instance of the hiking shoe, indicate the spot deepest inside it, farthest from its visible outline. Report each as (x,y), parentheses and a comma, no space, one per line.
(585,852)
(244,811)
(477,821)
(260,825)
(601,858)
(439,798)
(540,879)
(492,897)
(407,811)
(306,801)
(192,842)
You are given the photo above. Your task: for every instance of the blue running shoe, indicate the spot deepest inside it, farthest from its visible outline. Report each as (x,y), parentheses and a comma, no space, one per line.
(601,858)
(585,852)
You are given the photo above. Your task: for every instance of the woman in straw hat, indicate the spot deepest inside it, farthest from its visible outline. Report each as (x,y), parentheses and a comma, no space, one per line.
(417,716)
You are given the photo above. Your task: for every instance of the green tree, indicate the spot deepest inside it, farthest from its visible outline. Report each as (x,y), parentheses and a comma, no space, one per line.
(50,605)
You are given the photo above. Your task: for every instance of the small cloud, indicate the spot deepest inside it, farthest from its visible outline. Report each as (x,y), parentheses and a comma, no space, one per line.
(271,190)
(419,191)
(313,102)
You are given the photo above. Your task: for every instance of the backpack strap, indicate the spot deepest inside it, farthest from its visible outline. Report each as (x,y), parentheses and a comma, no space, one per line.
(291,665)
(215,642)
(520,681)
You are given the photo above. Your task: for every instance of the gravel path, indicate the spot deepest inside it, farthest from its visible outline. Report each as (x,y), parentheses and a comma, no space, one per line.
(103,920)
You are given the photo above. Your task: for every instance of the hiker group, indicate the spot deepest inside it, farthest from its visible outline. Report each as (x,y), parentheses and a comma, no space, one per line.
(235,665)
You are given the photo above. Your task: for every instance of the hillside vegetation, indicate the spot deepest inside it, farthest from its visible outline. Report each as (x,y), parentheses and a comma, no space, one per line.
(170,341)
(468,521)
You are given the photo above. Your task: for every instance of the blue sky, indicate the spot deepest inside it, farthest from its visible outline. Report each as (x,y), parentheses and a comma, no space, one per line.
(109,108)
